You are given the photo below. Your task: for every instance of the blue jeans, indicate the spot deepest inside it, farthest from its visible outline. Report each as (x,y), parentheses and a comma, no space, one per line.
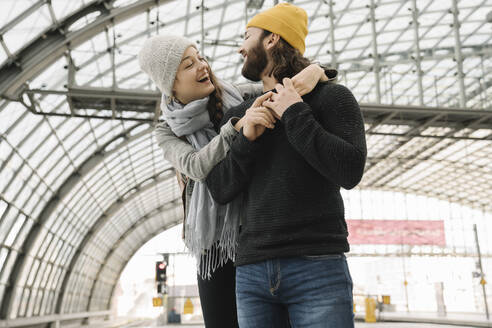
(316,291)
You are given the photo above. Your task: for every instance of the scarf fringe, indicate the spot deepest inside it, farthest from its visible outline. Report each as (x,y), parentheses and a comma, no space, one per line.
(209,260)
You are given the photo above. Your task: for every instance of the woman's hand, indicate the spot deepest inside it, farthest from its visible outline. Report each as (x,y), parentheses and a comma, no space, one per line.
(256,119)
(305,81)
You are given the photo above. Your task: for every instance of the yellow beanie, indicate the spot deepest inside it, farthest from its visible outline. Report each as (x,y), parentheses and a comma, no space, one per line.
(286,20)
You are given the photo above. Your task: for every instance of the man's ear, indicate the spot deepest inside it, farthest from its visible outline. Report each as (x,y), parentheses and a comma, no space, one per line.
(271,40)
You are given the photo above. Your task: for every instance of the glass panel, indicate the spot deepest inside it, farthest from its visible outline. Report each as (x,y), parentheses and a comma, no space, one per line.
(64,8)
(7,221)
(7,268)
(23,302)
(33,270)
(3,257)
(37,303)
(39,275)
(19,221)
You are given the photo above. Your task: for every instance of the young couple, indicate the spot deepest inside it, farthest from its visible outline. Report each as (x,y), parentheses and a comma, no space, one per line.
(261,169)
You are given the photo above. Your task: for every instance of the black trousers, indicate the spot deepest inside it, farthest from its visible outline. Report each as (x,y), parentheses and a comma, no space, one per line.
(218,297)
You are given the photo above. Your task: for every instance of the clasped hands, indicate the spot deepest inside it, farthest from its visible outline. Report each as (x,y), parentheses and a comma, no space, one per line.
(267,109)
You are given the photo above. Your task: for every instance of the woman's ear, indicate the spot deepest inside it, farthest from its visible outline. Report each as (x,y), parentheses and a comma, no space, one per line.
(173,98)
(173,89)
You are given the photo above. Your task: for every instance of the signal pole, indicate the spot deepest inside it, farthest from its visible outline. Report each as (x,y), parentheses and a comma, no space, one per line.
(161,278)
(482,275)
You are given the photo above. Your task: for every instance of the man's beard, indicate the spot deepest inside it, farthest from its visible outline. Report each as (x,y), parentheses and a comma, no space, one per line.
(255,63)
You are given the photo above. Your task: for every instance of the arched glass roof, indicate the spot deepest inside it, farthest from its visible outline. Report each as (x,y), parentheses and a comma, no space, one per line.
(83,184)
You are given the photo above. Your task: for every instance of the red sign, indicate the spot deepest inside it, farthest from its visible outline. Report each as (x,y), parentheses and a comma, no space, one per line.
(390,232)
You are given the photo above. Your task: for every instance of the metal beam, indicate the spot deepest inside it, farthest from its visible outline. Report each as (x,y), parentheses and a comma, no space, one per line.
(146,101)
(333,50)
(116,100)
(375,55)
(415,135)
(54,20)
(221,25)
(459,56)
(92,92)
(416,42)
(188,12)
(413,115)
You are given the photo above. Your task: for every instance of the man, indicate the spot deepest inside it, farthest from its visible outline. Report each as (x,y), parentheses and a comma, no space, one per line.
(294,235)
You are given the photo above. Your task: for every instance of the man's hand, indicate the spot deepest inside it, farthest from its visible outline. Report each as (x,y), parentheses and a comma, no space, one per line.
(305,81)
(285,97)
(256,119)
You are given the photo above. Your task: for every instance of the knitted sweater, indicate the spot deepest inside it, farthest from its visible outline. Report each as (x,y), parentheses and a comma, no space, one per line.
(293,174)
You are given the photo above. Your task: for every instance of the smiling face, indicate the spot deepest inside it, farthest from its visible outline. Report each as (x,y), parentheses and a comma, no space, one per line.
(192,78)
(254,54)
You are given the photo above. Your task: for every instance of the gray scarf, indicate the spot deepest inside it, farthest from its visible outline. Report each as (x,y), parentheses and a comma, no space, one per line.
(211,229)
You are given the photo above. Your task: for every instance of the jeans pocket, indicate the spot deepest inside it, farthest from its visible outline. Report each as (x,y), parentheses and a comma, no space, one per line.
(323,257)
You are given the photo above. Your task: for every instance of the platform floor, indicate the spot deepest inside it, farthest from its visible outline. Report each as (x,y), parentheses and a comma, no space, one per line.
(357,325)
(152,323)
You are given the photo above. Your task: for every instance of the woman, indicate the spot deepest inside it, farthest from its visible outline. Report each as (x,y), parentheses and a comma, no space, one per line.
(193,104)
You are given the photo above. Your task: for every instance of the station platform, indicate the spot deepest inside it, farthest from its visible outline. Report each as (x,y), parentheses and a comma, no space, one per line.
(391,321)
(357,325)
(384,320)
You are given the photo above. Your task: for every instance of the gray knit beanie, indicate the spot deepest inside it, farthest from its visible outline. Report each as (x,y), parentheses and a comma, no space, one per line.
(160,57)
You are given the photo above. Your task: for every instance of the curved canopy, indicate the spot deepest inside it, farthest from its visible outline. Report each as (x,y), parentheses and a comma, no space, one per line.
(83,184)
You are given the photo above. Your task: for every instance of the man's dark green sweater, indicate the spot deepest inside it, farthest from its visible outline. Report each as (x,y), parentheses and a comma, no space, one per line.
(292,176)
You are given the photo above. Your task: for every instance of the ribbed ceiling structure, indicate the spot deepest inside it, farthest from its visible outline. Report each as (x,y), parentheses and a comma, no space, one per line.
(83,184)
